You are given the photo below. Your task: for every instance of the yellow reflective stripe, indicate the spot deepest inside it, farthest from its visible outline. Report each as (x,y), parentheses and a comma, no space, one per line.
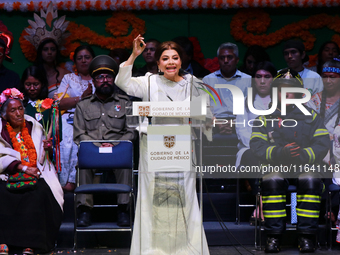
(259,135)
(311,154)
(307,213)
(320,131)
(269,153)
(314,114)
(274,213)
(264,120)
(308,198)
(274,199)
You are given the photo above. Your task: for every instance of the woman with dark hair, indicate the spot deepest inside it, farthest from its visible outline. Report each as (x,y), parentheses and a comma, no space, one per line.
(169,204)
(327,102)
(31,214)
(77,86)
(47,59)
(254,55)
(327,52)
(34,87)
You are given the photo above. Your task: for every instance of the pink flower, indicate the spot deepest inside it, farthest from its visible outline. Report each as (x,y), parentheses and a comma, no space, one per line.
(17,94)
(7,92)
(3,98)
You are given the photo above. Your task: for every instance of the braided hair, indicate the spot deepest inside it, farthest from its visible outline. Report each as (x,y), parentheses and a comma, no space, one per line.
(330,66)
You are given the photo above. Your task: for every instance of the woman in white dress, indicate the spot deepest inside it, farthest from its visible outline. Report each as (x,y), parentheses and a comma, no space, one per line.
(167,217)
(77,86)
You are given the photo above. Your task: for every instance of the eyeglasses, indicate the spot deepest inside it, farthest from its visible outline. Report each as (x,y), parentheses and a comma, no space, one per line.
(101,78)
(34,84)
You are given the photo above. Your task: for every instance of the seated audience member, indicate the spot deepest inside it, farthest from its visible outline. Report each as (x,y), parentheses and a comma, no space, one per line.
(48,40)
(295,55)
(149,58)
(228,58)
(48,55)
(327,102)
(254,55)
(31,214)
(34,87)
(336,177)
(8,78)
(327,52)
(102,116)
(77,86)
(306,143)
(188,63)
(261,84)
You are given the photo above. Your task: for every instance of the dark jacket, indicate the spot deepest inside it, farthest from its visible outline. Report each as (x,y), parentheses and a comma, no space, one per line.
(309,133)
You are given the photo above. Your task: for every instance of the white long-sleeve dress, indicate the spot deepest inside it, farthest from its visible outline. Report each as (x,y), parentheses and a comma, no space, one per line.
(167,219)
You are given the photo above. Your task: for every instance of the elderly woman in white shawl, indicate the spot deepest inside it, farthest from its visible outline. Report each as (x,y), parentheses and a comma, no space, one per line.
(30,214)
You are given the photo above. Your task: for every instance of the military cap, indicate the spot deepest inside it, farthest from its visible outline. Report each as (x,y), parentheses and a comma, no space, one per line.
(103,63)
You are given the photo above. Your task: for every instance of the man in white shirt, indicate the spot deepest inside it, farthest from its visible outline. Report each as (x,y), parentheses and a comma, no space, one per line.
(295,55)
(228,59)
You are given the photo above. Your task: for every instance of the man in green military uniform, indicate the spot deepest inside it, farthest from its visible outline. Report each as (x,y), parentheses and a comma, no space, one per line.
(102,116)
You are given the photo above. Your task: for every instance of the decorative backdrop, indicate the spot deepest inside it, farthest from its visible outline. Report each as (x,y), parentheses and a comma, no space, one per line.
(207,28)
(114,5)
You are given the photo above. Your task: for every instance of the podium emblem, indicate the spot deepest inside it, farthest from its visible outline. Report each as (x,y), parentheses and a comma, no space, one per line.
(144,110)
(169,141)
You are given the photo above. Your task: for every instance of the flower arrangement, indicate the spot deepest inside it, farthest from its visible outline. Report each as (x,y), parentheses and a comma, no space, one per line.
(118,25)
(10,94)
(248,26)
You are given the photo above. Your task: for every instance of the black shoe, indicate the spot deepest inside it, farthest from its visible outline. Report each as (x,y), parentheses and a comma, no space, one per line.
(272,245)
(306,244)
(123,219)
(84,219)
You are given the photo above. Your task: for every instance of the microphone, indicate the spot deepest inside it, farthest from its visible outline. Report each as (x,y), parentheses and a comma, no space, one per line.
(181,70)
(159,73)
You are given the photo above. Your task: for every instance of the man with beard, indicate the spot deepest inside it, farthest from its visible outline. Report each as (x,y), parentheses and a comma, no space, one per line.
(102,116)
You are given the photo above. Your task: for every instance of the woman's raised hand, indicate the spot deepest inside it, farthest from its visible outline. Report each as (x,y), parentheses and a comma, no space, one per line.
(138,46)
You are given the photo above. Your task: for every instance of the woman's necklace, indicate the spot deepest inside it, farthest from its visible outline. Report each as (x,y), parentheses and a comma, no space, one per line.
(27,144)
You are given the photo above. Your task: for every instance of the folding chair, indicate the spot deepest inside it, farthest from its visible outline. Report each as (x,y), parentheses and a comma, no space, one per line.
(91,156)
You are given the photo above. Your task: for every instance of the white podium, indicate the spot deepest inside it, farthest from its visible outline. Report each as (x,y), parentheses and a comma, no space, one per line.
(168,218)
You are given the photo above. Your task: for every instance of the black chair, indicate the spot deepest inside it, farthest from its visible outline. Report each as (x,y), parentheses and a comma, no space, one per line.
(91,156)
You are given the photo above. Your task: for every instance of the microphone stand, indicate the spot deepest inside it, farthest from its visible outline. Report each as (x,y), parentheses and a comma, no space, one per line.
(159,73)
